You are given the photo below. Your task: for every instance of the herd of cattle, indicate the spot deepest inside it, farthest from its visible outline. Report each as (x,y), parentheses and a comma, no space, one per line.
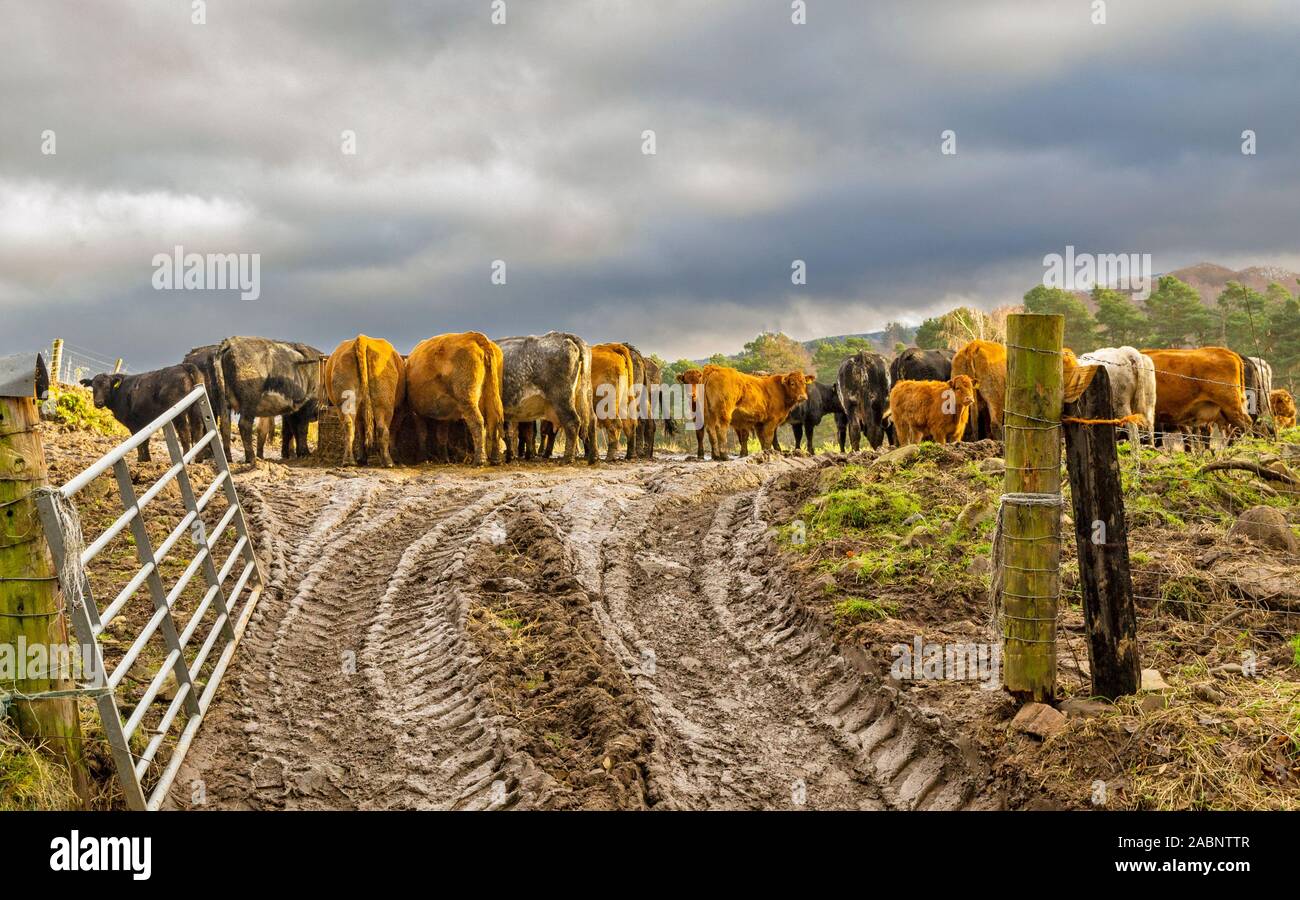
(467,394)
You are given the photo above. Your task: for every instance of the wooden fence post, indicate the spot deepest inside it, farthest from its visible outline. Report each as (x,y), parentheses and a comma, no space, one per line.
(1031,526)
(1101,536)
(30,612)
(56,361)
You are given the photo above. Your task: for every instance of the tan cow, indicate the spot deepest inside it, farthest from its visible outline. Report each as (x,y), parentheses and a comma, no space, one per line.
(985,364)
(733,399)
(1200,387)
(931,410)
(458,377)
(366,379)
(612,373)
(1282,405)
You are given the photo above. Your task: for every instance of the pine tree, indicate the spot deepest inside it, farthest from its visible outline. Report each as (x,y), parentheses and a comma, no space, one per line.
(1080,326)
(1121,322)
(1178,317)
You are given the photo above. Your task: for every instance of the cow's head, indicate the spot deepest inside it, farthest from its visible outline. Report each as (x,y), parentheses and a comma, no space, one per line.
(795,385)
(103,386)
(963,389)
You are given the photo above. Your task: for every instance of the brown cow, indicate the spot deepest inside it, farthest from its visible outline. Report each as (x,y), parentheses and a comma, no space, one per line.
(611,397)
(985,364)
(1200,387)
(931,410)
(733,399)
(458,377)
(693,378)
(1282,406)
(366,379)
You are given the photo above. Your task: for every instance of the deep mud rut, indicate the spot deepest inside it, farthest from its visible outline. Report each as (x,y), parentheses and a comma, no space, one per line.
(551,637)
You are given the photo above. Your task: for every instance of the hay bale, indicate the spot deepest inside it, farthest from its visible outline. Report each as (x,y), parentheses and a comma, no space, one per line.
(329,435)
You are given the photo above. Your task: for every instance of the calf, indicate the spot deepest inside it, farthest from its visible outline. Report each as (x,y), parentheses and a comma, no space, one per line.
(823,400)
(1282,406)
(136,400)
(862,386)
(735,399)
(457,377)
(931,410)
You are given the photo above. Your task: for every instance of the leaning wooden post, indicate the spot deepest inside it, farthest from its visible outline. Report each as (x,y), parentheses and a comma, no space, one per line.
(30,613)
(1101,535)
(1031,519)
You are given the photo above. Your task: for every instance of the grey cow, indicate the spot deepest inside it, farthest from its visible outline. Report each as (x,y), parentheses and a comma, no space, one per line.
(549,377)
(270,378)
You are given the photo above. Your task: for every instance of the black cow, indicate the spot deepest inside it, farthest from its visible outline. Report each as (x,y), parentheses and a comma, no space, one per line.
(206,361)
(915,364)
(270,378)
(136,400)
(823,400)
(862,385)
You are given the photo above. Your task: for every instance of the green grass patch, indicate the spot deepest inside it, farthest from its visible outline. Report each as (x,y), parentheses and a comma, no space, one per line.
(852,610)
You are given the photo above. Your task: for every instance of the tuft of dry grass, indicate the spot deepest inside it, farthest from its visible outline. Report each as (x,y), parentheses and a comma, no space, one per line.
(30,779)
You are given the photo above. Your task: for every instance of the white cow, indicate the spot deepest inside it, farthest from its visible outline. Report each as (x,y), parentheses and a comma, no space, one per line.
(1259,408)
(1132,385)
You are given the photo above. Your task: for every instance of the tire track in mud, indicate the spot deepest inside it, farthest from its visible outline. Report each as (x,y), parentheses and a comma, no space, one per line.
(683,660)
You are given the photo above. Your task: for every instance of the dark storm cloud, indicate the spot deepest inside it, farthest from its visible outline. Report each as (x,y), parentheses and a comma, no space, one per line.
(522,142)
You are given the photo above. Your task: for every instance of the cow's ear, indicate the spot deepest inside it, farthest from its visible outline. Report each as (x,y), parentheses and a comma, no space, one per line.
(1077,380)
(86,382)
(809,379)
(117,383)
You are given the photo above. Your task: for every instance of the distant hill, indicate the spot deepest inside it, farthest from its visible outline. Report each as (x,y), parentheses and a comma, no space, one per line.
(876,337)
(1209,280)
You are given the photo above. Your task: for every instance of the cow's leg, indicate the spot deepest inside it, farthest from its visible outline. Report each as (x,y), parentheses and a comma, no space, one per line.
(841,430)
(718,439)
(349,421)
(611,441)
(767,437)
(629,431)
(421,427)
(246,438)
(477,433)
(699,443)
(855,434)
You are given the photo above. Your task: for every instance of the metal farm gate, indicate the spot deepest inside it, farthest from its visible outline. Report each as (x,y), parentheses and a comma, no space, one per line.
(185,678)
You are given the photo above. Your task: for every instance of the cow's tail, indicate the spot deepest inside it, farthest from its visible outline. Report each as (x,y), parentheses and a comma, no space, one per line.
(365,405)
(489,404)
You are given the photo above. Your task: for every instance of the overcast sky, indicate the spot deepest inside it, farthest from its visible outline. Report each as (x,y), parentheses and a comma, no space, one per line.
(523,142)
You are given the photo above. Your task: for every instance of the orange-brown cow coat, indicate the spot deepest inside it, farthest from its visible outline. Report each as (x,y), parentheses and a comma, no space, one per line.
(733,399)
(985,364)
(611,399)
(931,410)
(1201,387)
(458,377)
(366,379)
(1282,405)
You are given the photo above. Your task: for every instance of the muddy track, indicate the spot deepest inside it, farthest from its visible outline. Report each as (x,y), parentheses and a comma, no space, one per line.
(550,637)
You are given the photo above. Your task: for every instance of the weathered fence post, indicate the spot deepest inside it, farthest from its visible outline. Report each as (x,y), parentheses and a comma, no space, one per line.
(1031,518)
(56,361)
(30,613)
(1101,535)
